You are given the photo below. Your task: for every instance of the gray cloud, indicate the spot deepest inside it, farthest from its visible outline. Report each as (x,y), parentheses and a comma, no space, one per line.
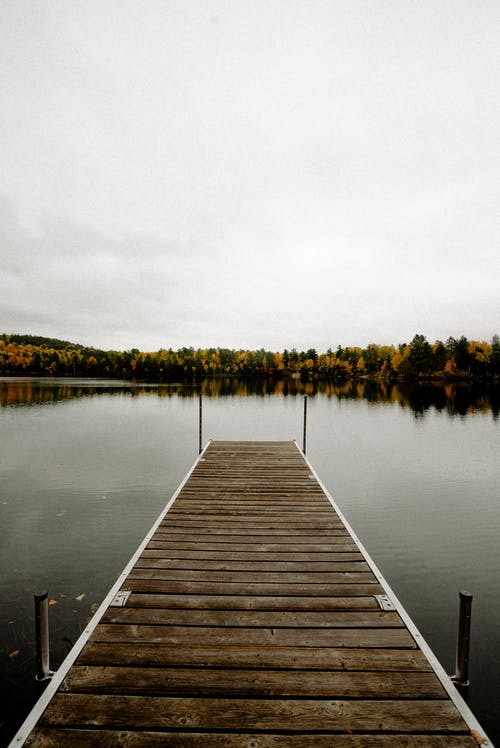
(273,173)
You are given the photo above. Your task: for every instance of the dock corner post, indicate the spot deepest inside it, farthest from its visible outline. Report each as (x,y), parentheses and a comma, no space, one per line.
(43,671)
(200,425)
(461,677)
(305,426)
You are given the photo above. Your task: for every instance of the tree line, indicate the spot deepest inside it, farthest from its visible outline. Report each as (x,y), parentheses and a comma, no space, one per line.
(456,358)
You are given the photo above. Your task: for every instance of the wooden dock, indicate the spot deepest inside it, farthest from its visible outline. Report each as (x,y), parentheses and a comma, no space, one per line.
(252,620)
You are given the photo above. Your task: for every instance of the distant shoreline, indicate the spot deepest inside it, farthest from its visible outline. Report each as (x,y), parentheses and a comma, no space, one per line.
(452,361)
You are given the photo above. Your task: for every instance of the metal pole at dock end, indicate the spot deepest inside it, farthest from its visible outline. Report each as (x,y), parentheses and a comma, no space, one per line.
(461,677)
(200,427)
(305,426)
(43,671)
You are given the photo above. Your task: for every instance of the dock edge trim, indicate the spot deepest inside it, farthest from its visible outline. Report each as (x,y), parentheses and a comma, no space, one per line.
(41,705)
(462,706)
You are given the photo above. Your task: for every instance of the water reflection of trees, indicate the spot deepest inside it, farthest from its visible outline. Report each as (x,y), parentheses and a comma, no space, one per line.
(455,398)
(25,392)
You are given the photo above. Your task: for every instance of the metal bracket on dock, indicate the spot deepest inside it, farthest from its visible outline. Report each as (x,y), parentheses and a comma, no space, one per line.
(120,599)
(385,602)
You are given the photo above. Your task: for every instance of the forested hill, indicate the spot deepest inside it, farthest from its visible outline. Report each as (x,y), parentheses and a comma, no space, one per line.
(40,342)
(457,358)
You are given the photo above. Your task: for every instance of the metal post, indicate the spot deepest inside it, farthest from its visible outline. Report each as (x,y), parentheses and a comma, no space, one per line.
(305,425)
(461,677)
(200,428)
(43,671)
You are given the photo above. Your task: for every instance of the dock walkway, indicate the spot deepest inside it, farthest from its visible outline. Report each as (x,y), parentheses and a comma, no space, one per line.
(252,620)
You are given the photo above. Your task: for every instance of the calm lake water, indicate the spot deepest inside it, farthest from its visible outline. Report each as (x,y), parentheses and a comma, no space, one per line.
(87,466)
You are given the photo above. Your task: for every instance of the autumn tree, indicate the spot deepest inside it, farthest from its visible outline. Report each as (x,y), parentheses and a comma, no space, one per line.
(421,357)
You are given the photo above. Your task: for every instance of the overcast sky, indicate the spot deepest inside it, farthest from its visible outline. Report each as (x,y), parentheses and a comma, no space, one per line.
(249,173)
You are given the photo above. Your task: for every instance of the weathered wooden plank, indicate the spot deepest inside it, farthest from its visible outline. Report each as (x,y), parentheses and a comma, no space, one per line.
(274,522)
(270,480)
(270,523)
(290,467)
(81,738)
(424,716)
(159,586)
(216,527)
(258,497)
(292,463)
(250,602)
(182,635)
(257,658)
(264,577)
(260,548)
(262,505)
(276,483)
(296,533)
(249,512)
(255,618)
(155,550)
(273,481)
(336,536)
(247,496)
(292,472)
(149,562)
(246,491)
(276,487)
(266,523)
(250,539)
(253,683)
(293,477)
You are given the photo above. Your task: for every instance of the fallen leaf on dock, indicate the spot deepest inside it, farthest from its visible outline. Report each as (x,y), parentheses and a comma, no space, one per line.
(52,602)
(80,597)
(480,740)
